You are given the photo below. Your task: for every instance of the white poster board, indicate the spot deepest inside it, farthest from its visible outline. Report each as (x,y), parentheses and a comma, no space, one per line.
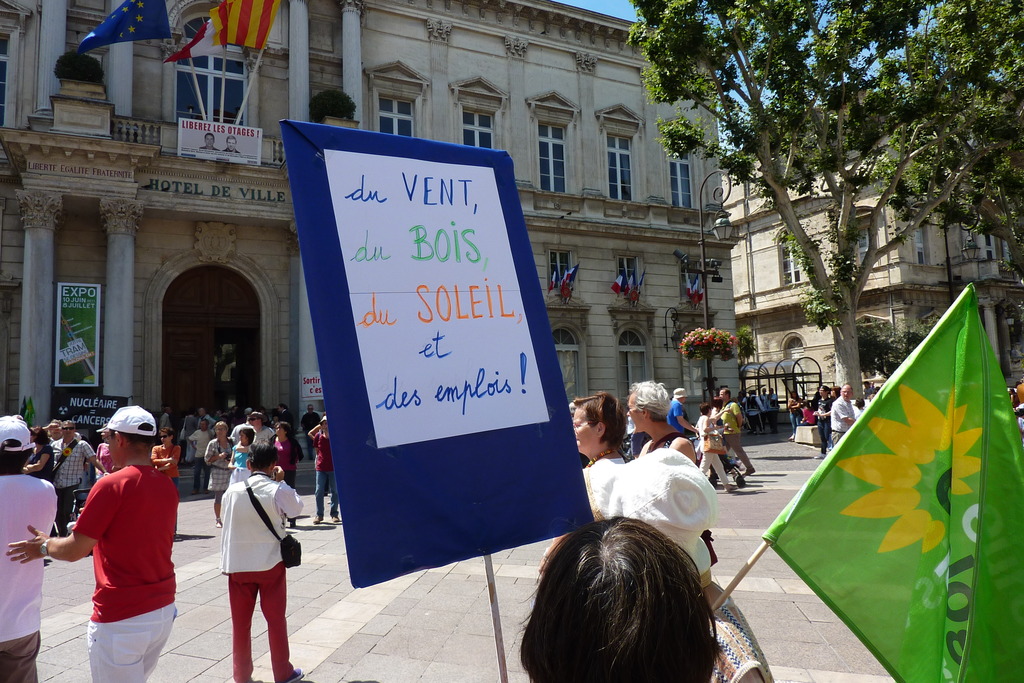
(442,335)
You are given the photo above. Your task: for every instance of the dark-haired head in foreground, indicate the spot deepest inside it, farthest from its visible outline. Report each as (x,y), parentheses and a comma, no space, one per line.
(619,603)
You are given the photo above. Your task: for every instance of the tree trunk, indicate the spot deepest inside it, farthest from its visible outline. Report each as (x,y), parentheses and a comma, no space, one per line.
(847,353)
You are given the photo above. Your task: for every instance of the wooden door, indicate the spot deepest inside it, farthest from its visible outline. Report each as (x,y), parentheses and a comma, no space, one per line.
(204,309)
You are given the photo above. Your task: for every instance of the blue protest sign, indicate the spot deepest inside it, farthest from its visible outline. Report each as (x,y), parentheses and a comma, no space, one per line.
(448,421)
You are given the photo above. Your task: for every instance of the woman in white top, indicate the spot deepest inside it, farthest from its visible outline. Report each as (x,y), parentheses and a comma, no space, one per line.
(705,427)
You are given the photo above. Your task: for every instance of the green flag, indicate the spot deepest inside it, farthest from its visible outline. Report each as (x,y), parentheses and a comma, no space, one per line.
(910,530)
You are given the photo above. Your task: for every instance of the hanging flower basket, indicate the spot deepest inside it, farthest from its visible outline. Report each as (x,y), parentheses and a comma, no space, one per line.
(707,344)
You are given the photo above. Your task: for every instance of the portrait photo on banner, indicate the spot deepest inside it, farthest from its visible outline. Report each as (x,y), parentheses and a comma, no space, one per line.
(448,416)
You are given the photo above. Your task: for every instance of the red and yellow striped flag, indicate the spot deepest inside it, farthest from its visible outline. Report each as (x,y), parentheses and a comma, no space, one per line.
(244,22)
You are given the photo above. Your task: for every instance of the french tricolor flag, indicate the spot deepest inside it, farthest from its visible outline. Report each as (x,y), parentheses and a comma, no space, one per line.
(620,283)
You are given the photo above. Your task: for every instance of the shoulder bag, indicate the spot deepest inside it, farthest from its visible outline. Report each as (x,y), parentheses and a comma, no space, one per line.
(291,550)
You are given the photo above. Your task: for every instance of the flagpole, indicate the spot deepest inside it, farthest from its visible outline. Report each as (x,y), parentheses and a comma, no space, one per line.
(744,570)
(492,595)
(195,83)
(248,85)
(223,80)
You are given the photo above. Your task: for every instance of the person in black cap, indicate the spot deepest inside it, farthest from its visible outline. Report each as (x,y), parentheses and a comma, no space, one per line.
(128,525)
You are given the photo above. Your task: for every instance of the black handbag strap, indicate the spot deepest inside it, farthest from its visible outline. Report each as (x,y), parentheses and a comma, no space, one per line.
(260,511)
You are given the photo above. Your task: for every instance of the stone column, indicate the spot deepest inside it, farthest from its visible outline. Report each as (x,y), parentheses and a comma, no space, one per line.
(121,222)
(52,36)
(590,156)
(308,362)
(989,316)
(168,81)
(523,139)
(442,124)
(352,53)
(119,66)
(40,216)
(252,106)
(298,60)
(1003,353)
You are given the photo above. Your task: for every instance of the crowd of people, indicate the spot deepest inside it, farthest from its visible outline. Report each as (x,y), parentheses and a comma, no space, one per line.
(631,597)
(833,410)
(128,524)
(650,474)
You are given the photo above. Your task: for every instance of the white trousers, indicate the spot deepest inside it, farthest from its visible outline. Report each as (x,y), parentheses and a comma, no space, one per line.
(127,651)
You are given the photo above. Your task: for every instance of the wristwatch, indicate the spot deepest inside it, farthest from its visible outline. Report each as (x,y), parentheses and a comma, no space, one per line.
(42,549)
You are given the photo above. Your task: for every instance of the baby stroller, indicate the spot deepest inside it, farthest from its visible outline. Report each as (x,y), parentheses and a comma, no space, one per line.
(81,495)
(731,468)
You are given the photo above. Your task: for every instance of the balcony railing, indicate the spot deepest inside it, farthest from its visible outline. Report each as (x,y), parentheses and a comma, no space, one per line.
(145,132)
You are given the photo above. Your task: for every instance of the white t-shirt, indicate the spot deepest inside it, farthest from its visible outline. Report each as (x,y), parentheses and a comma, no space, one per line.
(24,500)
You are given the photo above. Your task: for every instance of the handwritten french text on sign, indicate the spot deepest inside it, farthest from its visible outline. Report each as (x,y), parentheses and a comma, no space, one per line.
(439,317)
(439,369)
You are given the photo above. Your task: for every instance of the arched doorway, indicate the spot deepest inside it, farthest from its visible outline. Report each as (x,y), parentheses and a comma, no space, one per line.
(211,340)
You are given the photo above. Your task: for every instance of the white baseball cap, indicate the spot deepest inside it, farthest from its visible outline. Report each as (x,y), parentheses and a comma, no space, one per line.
(13,428)
(132,420)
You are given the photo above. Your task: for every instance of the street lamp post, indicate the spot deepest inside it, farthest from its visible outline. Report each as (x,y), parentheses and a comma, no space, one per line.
(719,197)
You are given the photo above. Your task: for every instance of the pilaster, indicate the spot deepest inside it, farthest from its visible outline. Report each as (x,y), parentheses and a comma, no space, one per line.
(298,60)
(438,32)
(167,75)
(252,105)
(40,216)
(121,223)
(352,52)
(121,73)
(52,38)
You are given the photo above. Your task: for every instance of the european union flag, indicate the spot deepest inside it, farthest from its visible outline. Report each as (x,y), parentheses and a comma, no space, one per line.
(133,20)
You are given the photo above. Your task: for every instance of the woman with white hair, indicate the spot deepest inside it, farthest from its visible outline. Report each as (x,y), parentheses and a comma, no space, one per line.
(648,407)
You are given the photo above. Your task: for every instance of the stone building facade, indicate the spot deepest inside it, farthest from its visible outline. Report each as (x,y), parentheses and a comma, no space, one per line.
(203,297)
(918,279)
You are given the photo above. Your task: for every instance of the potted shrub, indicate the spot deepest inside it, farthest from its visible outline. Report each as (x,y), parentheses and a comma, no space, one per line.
(333,107)
(80,75)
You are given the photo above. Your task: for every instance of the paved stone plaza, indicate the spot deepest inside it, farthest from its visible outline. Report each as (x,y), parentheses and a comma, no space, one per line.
(435,626)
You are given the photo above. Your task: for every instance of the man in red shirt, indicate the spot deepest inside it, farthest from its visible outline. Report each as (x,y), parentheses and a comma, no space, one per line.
(128,525)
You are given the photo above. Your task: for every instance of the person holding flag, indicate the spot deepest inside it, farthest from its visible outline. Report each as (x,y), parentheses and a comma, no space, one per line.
(132,20)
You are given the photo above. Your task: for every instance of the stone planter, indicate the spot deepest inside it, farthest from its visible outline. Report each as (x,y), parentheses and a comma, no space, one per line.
(83,89)
(82,108)
(335,121)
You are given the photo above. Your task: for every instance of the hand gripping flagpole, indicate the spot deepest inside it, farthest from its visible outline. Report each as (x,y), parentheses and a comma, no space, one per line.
(492,595)
(744,570)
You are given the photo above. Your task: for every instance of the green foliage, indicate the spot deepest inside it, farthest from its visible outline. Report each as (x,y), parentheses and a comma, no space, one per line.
(745,348)
(850,107)
(331,103)
(884,346)
(75,67)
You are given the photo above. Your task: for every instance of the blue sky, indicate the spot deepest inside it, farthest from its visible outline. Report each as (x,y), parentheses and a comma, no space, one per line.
(615,8)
